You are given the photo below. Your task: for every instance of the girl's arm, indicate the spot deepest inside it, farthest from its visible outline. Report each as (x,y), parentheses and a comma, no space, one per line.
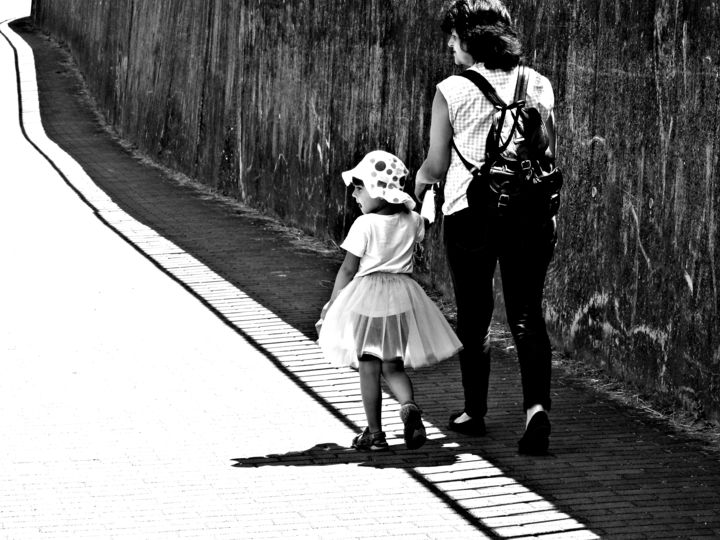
(346,273)
(437,161)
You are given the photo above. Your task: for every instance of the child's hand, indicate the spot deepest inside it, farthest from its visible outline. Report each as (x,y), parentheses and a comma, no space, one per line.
(323,312)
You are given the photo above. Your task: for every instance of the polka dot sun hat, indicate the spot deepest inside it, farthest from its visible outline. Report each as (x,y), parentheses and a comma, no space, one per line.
(384,176)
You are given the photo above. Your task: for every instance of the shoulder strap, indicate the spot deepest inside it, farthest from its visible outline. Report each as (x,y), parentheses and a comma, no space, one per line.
(468,165)
(491,94)
(484,86)
(522,83)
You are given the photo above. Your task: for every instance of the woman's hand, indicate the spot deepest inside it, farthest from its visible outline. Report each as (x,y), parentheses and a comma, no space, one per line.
(420,188)
(427,211)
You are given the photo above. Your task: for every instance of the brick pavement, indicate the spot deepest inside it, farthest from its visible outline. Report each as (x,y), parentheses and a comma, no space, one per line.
(614,473)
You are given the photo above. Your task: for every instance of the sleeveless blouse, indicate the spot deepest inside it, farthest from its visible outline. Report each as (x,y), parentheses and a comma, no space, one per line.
(471,116)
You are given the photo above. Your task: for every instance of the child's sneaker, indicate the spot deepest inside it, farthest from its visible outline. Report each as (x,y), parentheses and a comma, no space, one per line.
(371,442)
(414,432)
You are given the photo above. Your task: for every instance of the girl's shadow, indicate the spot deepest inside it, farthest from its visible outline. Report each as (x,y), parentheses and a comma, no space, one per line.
(432,454)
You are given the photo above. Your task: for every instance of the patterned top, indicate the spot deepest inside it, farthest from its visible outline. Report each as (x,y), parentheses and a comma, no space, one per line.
(471,116)
(385,243)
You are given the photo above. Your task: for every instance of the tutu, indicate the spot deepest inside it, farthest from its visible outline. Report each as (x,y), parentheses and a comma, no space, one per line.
(387,316)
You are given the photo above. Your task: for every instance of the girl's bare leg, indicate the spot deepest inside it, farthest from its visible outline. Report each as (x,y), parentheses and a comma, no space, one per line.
(370,370)
(398,381)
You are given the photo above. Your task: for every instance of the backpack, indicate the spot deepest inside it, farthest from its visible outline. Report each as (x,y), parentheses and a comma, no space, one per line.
(519,177)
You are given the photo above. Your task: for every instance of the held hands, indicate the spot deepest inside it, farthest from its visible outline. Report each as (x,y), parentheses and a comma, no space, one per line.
(425,194)
(420,188)
(428,206)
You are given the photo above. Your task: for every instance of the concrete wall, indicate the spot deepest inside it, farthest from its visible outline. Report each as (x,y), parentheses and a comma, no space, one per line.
(268,100)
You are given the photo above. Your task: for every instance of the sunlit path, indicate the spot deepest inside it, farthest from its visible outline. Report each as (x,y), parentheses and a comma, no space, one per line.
(137,385)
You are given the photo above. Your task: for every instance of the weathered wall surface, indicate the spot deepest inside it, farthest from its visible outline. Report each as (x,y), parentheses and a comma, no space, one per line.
(269,100)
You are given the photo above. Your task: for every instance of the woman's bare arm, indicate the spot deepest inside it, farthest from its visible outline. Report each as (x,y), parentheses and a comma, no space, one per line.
(550,127)
(437,161)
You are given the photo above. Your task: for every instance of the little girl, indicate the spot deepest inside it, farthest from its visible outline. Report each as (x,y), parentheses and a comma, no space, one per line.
(378,319)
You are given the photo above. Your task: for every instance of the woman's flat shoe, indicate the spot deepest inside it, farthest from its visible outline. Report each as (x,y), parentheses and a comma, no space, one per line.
(536,439)
(474,427)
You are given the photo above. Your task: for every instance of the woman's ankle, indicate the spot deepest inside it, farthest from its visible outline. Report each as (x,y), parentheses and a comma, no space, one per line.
(532,411)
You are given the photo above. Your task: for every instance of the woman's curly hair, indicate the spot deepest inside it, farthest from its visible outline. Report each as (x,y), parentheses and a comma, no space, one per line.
(486,30)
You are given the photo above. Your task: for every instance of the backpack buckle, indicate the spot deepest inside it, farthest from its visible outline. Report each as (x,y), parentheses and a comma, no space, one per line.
(527,170)
(503,202)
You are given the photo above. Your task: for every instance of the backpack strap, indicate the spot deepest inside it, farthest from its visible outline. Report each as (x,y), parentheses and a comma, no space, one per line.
(468,165)
(492,96)
(489,92)
(484,86)
(522,82)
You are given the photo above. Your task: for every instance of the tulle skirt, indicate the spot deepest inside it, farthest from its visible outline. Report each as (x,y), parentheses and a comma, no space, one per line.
(387,316)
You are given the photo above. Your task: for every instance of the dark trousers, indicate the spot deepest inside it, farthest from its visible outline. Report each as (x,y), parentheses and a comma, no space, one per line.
(475,242)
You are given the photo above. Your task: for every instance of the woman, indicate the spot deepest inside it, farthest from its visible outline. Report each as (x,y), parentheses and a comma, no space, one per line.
(482,38)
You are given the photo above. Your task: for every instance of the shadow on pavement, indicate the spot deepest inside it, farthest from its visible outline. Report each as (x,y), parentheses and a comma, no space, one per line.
(431,455)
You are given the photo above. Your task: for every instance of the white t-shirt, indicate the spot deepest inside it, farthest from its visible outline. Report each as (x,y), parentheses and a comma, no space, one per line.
(471,116)
(385,243)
